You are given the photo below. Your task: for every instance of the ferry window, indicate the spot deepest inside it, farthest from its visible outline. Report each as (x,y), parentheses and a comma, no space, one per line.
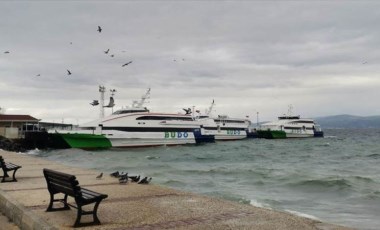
(164,118)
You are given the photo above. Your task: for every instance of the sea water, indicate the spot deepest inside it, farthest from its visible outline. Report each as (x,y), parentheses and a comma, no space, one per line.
(334,179)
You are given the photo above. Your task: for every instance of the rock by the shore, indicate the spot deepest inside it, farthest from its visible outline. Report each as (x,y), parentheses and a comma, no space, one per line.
(11,145)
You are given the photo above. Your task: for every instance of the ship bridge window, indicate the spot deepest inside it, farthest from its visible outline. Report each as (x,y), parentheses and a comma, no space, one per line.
(309,122)
(164,118)
(230,121)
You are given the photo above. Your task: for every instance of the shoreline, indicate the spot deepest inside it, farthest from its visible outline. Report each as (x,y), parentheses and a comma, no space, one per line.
(133,206)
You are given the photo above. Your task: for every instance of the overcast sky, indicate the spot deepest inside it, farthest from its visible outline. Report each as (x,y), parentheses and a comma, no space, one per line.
(249,56)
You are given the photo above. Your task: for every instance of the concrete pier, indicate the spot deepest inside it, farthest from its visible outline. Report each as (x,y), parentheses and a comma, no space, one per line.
(132,206)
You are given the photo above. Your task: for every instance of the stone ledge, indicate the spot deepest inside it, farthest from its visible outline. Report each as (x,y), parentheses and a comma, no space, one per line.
(20,216)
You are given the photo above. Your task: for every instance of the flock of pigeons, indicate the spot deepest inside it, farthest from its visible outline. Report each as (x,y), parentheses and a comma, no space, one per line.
(124,178)
(106,52)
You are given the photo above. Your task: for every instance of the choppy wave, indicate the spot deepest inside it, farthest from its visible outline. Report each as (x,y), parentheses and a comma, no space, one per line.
(327,144)
(257,203)
(335,179)
(151,157)
(374,156)
(374,195)
(302,214)
(34,152)
(323,183)
(175,183)
(229,196)
(361,179)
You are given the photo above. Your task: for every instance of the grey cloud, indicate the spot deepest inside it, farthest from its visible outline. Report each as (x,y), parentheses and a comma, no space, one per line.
(248,56)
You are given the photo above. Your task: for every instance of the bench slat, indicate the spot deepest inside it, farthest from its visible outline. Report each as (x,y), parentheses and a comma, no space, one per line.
(56,188)
(68,183)
(90,192)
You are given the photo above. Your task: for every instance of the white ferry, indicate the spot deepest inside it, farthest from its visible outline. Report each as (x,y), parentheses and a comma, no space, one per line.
(226,128)
(289,126)
(136,126)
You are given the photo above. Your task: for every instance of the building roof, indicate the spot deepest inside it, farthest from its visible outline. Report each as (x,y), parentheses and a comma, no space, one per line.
(17,118)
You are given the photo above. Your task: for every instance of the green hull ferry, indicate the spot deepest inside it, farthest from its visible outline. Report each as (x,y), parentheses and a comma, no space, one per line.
(271,134)
(82,140)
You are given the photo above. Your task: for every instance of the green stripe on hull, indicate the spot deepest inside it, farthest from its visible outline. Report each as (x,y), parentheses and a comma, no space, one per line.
(271,134)
(84,141)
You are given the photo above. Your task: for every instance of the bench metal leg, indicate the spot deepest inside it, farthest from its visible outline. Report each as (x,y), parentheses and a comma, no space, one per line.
(52,200)
(79,215)
(14,173)
(94,212)
(6,175)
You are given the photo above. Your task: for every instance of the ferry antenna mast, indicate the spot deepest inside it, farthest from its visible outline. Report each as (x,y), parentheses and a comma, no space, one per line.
(102,90)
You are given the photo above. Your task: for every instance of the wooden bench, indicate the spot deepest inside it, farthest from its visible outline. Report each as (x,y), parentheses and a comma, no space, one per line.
(8,167)
(59,182)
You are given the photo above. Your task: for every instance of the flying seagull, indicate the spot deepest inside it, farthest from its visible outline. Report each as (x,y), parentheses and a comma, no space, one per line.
(68,72)
(126,64)
(188,111)
(38,75)
(99,176)
(106,52)
(99,29)
(6,52)
(94,103)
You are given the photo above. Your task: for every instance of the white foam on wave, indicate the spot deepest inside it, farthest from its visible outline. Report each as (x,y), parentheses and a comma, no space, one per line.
(151,157)
(302,214)
(257,204)
(35,151)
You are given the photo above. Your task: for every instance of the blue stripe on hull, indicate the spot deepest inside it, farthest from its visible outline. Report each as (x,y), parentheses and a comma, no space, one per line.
(200,138)
(318,133)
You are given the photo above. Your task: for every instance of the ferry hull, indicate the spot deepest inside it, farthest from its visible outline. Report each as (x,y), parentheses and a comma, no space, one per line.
(271,134)
(203,136)
(82,140)
(227,134)
(119,139)
(299,135)
(252,134)
(278,134)
(141,139)
(228,137)
(318,134)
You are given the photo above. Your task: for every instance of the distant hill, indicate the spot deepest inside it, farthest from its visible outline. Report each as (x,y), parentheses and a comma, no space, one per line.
(348,121)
